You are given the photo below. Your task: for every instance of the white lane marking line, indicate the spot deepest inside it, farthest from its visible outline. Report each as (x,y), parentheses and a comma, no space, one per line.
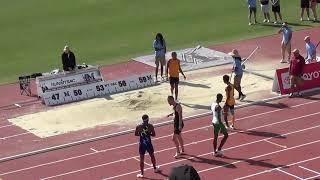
(6,126)
(16,135)
(112,162)
(154,139)
(292,175)
(246,117)
(18,105)
(135,158)
(270,170)
(235,162)
(316,172)
(312,177)
(276,144)
(267,153)
(253,142)
(98,138)
(93,150)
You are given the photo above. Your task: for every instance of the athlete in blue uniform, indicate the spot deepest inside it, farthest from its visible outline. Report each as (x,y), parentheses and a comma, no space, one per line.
(145,131)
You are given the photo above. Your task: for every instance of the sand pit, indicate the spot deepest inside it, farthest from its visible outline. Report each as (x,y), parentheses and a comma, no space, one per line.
(196,95)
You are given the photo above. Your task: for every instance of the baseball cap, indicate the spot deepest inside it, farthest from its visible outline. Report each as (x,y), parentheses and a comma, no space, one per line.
(234,53)
(295,51)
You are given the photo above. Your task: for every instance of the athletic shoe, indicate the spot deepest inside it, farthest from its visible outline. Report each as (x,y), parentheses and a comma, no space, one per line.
(283,61)
(299,94)
(242,97)
(177,155)
(157,169)
(301,19)
(308,19)
(232,127)
(268,21)
(250,23)
(182,152)
(140,175)
(264,20)
(219,154)
(291,95)
(275,22)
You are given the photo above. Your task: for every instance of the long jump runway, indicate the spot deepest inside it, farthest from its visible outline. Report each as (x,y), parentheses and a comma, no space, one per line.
(279,140)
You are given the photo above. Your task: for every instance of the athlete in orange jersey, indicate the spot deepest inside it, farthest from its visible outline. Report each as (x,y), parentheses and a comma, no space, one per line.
(230,101)
(173,67)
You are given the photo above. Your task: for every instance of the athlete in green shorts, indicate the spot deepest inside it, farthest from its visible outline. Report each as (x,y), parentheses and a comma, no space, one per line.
(218,126)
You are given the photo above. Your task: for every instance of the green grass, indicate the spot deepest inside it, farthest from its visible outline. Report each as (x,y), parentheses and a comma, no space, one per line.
(34,32)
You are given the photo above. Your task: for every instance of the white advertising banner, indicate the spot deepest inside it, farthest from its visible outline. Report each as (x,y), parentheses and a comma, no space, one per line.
(67,79)
(96,89)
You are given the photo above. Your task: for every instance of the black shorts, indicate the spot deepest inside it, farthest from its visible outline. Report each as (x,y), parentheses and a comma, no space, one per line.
(176,129)
(174,80)
(253,9)
(143,148)
(304,4)
(227,107)
(276,9)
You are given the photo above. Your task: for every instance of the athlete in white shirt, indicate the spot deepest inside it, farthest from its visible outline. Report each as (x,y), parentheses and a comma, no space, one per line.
(218,126)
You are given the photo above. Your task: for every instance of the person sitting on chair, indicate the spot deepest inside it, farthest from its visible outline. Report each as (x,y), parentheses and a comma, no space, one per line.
(68,59)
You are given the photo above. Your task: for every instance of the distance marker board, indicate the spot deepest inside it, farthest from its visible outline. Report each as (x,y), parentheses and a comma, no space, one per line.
(96,89)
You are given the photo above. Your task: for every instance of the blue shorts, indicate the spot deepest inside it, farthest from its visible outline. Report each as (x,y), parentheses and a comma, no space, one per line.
(145,147)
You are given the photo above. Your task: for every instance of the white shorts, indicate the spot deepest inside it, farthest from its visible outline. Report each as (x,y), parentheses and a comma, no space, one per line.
(265,8)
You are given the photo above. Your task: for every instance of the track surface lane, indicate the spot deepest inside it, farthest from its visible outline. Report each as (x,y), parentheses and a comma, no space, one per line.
(258,123)
(203,123)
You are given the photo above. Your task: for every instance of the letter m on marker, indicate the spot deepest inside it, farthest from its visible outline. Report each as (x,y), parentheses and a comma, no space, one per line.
(66,94)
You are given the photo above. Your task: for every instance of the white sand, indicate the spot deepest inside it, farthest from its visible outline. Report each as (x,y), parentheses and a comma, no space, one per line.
(126,108)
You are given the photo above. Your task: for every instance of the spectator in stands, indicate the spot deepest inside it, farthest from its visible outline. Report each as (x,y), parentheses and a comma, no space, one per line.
(311,51)
(304,4)
(252,5)
(265,10)
(276,10)
(286,41)
(313,6)
(296,71)
(160,48)
(68,59)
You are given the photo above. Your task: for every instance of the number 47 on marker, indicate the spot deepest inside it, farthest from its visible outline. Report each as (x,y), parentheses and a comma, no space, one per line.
(55,96)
